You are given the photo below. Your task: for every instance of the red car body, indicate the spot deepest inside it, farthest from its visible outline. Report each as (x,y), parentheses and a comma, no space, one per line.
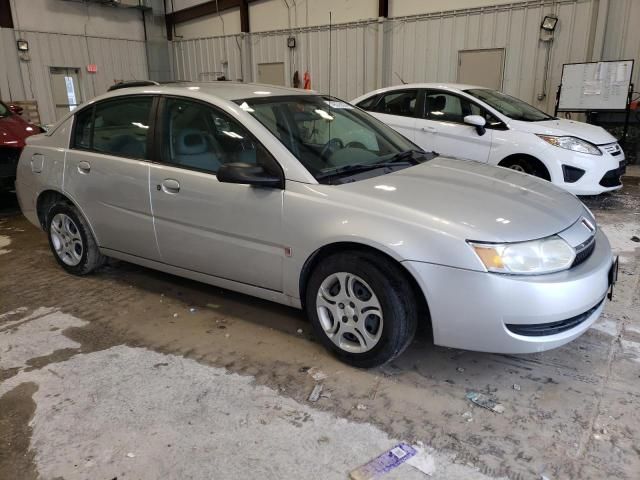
(14,130)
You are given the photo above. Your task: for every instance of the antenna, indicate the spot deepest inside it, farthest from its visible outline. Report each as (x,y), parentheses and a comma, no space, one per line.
(403,82)
(330,52)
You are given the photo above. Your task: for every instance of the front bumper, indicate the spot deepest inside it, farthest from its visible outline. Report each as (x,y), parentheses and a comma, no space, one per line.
(470,310)
(601,172)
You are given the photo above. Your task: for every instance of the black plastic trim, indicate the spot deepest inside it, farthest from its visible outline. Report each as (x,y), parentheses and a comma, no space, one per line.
(552,328)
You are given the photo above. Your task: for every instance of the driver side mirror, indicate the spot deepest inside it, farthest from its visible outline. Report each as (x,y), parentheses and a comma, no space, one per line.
(478,122)
(16,109)
(248,174)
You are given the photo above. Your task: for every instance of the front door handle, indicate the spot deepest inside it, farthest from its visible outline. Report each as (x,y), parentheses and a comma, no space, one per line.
(429,129)
(84,167)
(169,186)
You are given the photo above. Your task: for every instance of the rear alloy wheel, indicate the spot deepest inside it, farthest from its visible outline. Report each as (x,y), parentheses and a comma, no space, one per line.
(71,240)
(361,307)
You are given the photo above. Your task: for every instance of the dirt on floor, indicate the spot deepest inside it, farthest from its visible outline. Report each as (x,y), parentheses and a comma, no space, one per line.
(572,412)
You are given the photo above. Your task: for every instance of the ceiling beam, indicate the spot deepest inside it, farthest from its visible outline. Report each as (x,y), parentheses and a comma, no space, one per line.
(6,20)
(244,16)
(208,8)
(383,8)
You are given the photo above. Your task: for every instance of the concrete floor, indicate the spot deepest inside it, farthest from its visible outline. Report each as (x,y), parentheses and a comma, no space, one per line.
(131,373)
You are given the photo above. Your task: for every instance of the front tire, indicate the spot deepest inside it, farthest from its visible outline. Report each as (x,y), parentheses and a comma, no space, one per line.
(71,240)
(361,307)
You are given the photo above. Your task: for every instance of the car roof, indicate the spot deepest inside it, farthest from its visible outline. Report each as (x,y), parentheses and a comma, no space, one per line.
(453,87)
(221,89)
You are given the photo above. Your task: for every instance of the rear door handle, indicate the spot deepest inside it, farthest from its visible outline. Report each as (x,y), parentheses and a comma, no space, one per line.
(429,129)
(169,186)
(84,167)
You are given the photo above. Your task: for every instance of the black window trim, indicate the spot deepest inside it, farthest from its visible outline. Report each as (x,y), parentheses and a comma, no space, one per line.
(152,115)
(158,133)
(429,91)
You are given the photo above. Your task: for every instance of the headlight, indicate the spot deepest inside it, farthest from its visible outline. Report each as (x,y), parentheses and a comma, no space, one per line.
(572,143)
(547,255)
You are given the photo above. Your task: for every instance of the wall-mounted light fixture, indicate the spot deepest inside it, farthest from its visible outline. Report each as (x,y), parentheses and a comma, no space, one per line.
(549,23)
(291,42)
(23,45)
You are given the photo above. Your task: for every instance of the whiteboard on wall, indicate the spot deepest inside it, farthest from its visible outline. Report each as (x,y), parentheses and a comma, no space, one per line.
(595,86)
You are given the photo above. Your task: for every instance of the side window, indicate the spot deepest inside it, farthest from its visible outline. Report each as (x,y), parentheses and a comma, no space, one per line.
(368,103)
(82,129)
(444,107)
(121,126)
(201,137)
(401,103)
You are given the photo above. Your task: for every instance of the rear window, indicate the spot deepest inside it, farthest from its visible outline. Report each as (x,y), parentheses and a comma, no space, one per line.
(116,127)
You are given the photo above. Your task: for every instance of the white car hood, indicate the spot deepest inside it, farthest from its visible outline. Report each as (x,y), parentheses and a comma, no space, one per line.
(559,127)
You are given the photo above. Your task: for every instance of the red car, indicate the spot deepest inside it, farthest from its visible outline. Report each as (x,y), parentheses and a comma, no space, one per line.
(13,132)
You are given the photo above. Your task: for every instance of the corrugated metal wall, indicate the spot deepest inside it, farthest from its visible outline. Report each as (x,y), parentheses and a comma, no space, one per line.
(425,49)
(20,79)
(622,40)
(354,50)
(417,48)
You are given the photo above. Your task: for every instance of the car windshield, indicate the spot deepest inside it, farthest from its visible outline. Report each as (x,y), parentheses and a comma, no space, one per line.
(4,110)
(333,139)
(509,106)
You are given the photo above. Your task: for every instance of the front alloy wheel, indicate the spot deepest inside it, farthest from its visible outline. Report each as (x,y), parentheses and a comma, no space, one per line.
(350,313)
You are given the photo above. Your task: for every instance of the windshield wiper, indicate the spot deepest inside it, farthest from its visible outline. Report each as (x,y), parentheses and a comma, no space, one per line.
(406,158)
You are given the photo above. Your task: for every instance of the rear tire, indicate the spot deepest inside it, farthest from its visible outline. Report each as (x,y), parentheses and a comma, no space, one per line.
(361,307)
(71,241)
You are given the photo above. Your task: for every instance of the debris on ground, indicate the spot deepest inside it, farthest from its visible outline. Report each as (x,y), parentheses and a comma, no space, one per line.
(384,463)
(635,238)
(460,369)
(314,396)
(212,305)
(304,369)
(192,309)
(175,315)
(516,387)
(317,374)
(361,406)
(299,330)
(485,401)
(468,416)
(131,455)
(422,460)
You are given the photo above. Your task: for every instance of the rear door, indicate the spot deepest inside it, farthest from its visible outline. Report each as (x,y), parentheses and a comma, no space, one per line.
(443,124)
(398,109)
(230,231)
(107,173)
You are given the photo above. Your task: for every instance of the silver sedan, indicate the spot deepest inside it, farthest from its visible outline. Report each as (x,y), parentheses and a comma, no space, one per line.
(305,200)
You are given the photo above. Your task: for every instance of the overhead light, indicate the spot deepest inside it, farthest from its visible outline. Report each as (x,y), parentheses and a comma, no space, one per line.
(549,23)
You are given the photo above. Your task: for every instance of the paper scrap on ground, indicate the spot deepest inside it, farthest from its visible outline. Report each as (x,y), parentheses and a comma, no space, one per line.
(422,461)
(485,401)
(384,463)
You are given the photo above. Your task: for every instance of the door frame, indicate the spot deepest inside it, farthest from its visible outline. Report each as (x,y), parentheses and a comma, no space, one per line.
(80,94)
(467,50)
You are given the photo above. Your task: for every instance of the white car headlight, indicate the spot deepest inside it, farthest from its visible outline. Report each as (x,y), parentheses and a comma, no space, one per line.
(536,257)
(572,143)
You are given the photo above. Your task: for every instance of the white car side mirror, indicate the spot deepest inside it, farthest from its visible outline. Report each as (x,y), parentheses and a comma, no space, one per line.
(476,121)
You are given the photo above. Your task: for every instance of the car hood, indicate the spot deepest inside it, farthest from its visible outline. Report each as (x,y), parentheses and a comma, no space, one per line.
(13,131)
(590,133)
(470,200)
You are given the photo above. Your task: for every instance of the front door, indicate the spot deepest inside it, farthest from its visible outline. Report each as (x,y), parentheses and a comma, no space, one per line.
(230,231)
(443,127)
(107,173)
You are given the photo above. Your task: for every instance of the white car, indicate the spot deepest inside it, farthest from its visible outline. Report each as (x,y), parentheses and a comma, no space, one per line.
(477,123)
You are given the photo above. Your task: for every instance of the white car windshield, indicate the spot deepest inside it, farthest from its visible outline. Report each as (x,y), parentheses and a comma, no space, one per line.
(331,138)
(509,106)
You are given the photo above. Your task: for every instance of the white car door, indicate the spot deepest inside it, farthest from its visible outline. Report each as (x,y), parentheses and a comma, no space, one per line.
(227,230)
(397,109)
(442,127)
